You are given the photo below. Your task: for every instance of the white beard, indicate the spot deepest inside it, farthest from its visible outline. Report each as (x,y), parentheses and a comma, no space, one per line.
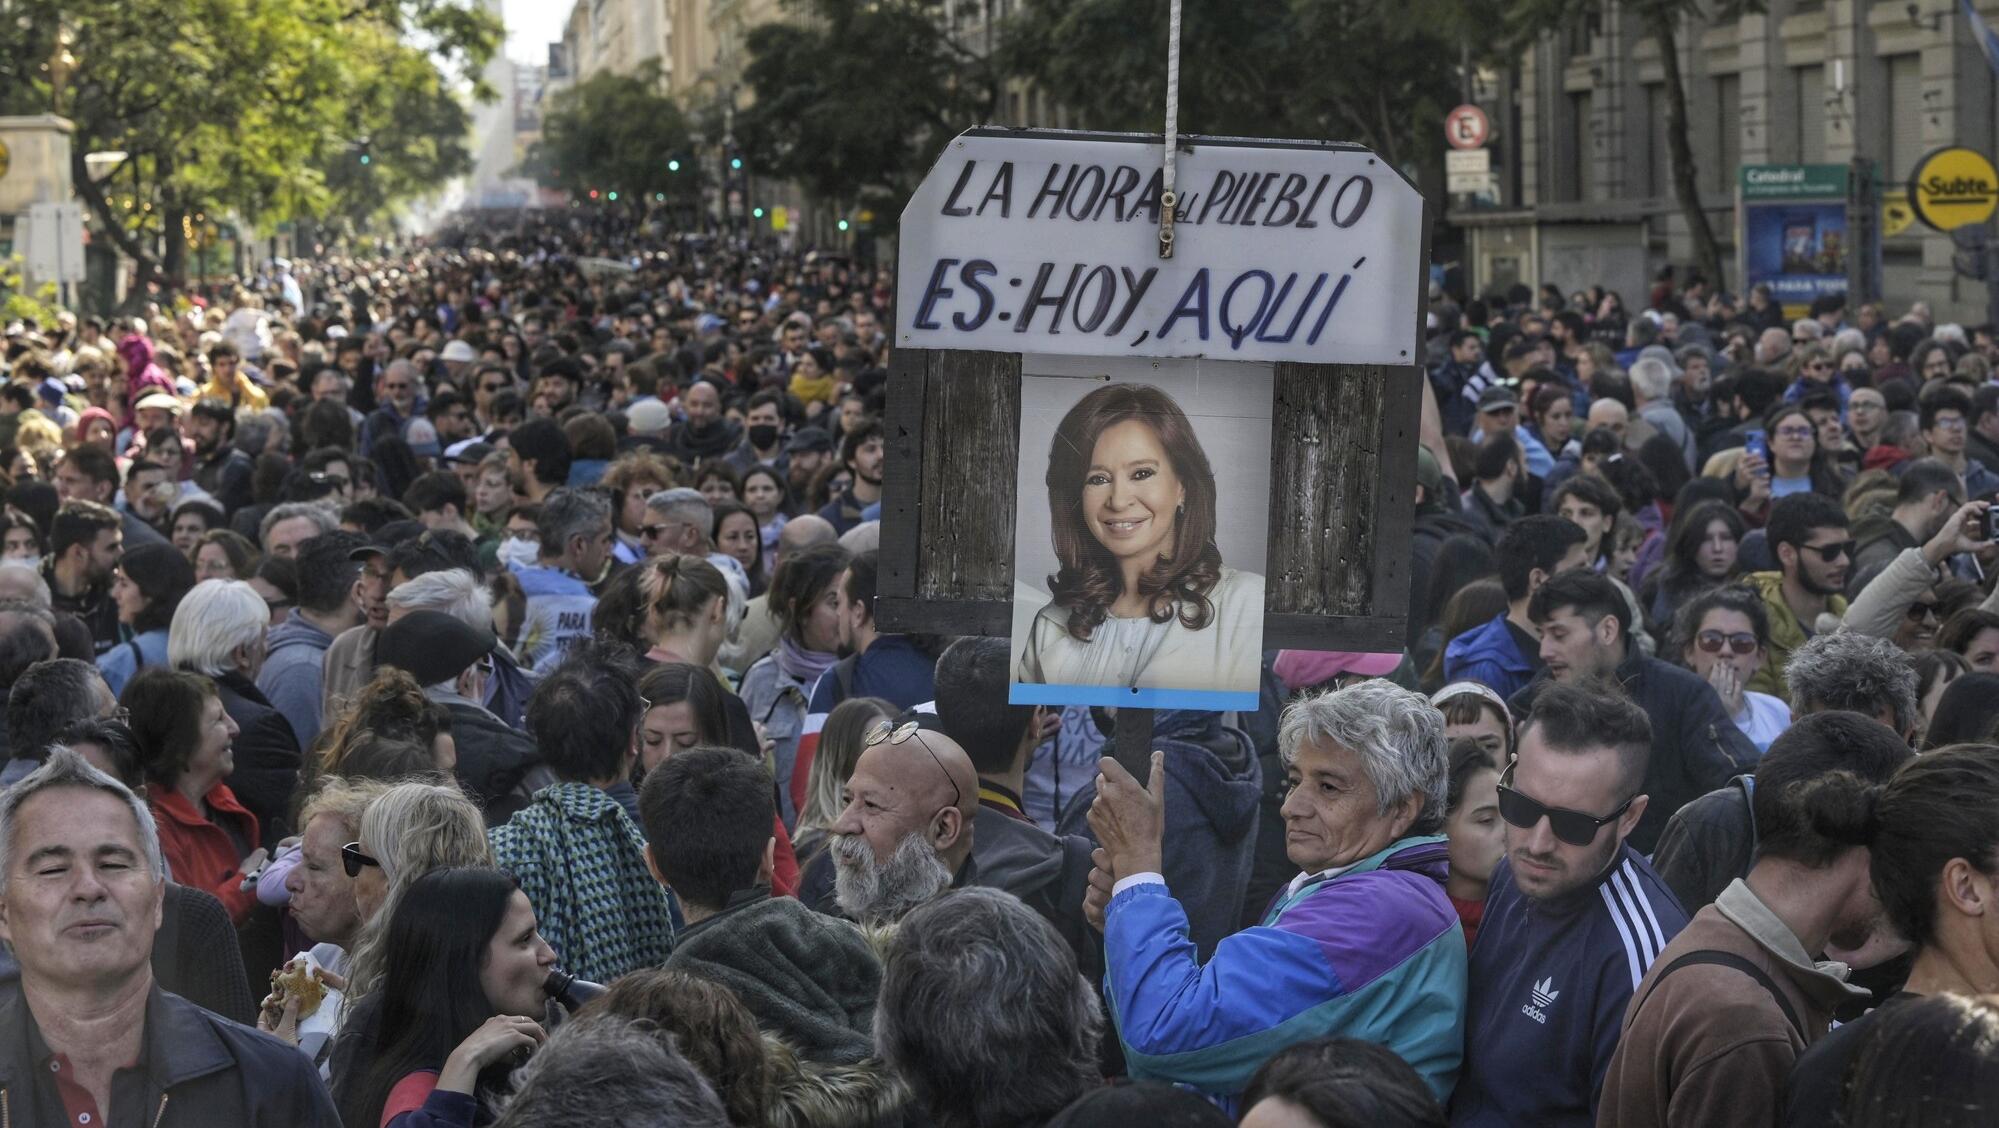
(874,893)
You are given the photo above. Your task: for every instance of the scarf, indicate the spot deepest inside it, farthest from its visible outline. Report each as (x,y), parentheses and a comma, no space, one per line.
(802,665)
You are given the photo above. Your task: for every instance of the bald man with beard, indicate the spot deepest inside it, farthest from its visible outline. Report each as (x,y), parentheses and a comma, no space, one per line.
(906,833)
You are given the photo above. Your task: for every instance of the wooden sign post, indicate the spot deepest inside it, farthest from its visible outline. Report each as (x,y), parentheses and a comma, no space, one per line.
(1306,257)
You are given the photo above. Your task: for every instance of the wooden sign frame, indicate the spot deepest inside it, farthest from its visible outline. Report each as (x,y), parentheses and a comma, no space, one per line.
(1342,499)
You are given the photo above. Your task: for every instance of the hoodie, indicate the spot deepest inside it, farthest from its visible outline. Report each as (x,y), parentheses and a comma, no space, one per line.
(1213,783)
(146,376)
(1051,874)
(1491,654)
(805,976)
(92,414)
(291,677)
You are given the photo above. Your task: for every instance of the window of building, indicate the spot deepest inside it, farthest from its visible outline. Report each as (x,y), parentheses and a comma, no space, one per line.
(1811,89)
(1582,153)
(1728,132)
(1905,115)
(1658,161)
(1580,36)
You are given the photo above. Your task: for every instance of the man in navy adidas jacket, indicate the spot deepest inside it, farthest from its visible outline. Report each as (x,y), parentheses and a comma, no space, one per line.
(1573,918)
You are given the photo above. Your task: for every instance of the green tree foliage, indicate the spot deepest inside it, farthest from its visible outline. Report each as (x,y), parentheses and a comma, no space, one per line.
(617,133)
(1378,72)
(255,106)
(854,99)
(34,307)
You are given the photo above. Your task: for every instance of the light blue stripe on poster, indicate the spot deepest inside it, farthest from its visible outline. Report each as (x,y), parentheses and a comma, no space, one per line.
(1199,700)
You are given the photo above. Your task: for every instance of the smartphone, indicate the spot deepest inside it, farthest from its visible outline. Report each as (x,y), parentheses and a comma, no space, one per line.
(1758,444)
(1992,521)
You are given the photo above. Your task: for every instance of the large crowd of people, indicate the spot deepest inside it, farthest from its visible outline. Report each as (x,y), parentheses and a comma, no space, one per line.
(444,689)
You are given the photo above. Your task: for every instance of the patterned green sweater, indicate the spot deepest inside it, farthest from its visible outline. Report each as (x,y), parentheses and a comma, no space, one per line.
(582,864)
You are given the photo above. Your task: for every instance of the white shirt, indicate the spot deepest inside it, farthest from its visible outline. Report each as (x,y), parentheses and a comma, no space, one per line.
(1224,655)
(1763,718)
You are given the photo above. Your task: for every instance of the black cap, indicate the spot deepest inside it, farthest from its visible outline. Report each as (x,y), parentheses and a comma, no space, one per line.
(432,646)
(808,440)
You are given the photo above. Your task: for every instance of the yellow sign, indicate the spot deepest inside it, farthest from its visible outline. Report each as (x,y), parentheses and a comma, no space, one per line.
(1896,214)
(1953,188)
(780,218)
(6,158)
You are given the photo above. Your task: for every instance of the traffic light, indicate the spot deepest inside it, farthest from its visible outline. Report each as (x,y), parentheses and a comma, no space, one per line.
(736,163)
(658,197)
(842,225)
(366,159)
(593,193)
(757,212)
(673,165)
(614,197)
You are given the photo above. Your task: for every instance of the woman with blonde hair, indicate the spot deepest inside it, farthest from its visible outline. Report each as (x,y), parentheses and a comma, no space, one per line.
(840,744)
(684,604)
(411,830)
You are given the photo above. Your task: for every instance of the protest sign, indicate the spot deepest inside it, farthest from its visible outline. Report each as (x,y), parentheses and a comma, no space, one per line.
(1285,331)
(1044,242)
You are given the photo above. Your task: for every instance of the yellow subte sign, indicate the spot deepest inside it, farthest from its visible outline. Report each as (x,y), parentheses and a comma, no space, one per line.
(1953,188)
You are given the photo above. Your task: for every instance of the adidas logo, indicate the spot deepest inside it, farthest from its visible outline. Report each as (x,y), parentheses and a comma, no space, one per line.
(1545,993)
(1544,996)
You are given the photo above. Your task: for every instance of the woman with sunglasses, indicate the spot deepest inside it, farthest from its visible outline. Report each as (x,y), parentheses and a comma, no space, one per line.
(410,830)
(461,1004)
(1724,636)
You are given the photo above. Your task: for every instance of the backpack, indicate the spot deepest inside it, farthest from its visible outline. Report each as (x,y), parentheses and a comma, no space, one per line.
(1746,967)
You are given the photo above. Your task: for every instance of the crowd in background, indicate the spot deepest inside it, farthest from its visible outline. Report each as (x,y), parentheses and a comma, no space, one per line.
(461,667)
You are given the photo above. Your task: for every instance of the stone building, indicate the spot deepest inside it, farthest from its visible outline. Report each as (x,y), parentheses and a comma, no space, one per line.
(1583,178)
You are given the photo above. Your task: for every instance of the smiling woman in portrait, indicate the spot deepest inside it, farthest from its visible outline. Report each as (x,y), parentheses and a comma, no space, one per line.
(1141,597)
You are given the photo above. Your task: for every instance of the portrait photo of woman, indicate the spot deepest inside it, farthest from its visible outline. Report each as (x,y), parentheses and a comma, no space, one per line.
(1141,597)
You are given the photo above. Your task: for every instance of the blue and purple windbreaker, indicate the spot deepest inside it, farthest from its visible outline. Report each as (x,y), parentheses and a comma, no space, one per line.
(1375,952)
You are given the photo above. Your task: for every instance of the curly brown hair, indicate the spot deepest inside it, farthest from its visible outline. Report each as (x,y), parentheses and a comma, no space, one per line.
(1088,580)
(392,708)
(705,1022)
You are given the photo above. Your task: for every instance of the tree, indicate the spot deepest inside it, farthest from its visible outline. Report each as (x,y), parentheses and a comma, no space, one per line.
(1528,19)
(617,133)
(1377,72)
(238,105)
(855,98)
(35,309)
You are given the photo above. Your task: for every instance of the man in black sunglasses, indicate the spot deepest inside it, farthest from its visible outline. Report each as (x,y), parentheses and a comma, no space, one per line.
(1807,533)
(1573,918)
(1585,625)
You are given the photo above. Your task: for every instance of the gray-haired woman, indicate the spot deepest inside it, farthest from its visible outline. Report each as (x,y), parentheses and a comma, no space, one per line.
(1363,943)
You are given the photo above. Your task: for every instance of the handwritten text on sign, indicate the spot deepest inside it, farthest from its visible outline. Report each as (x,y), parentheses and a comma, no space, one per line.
(1049,243)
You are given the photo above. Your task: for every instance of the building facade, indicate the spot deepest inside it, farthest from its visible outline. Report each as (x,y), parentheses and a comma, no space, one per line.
(1582,173)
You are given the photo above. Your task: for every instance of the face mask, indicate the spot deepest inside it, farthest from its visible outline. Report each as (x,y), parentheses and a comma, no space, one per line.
(763,435)
(519,553)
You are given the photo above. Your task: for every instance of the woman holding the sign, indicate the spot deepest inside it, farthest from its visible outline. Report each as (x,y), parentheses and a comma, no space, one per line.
(1141,598)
